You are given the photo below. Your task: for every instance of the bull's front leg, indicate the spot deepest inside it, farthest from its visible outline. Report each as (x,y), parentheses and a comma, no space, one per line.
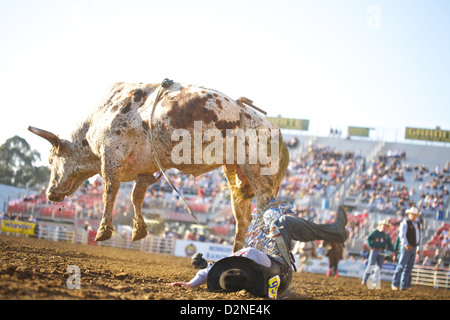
(111,185)
(137,198)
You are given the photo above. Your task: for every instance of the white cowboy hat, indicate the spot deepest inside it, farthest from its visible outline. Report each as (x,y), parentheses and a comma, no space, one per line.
(385,223)
(413,210)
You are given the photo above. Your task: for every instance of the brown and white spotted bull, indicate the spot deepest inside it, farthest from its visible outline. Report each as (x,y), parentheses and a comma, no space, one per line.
(119,139)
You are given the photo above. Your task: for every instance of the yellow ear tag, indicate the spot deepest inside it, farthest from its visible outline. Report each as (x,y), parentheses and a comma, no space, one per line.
(274,284)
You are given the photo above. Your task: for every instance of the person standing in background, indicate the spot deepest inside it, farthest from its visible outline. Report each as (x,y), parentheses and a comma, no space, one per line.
(378,242)
(409,234)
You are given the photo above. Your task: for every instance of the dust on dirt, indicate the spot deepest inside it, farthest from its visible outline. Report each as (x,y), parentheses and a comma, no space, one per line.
(36,269)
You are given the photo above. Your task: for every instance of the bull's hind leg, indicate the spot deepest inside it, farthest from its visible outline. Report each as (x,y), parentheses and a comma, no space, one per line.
(266,187)
(241,200)
(247,181)
(137,198)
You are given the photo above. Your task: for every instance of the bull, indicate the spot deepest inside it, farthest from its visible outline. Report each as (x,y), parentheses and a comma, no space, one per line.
(130,137)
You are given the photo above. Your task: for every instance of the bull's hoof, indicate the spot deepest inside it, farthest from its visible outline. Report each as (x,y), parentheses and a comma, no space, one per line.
(139,233)
(103,233)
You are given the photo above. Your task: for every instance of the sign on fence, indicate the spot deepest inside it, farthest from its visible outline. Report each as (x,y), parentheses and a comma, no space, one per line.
(350,268)
(210,251)
(21,227)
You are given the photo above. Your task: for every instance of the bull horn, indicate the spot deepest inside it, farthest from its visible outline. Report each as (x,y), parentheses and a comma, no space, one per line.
(50,137)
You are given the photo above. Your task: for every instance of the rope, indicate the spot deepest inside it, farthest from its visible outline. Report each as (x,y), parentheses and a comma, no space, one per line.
(164,85)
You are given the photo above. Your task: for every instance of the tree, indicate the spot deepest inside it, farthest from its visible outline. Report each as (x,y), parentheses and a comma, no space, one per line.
(17,164)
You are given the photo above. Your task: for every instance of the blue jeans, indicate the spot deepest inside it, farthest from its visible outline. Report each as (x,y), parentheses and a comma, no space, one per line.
(375,258)
(405,264)
(295,228)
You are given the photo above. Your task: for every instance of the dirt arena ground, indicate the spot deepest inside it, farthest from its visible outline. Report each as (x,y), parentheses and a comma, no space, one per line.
(33,269)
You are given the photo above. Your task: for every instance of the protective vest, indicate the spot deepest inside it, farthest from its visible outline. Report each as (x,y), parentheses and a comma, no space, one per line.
(411,233)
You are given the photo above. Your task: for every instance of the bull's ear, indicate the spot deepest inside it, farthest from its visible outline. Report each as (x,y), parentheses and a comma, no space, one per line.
(50,137)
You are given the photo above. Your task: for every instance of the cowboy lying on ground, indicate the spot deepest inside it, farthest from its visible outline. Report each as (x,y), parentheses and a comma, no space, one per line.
(260,273)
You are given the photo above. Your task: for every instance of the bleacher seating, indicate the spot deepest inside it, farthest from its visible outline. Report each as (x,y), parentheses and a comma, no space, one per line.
(391,184)
(320,170)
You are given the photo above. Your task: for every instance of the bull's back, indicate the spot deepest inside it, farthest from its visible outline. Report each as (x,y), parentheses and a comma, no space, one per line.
(129,106)
(134,114)
(193,109)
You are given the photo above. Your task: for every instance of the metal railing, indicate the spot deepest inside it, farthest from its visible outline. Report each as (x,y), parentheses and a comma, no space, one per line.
(150,244)
(68,233)
(430,276)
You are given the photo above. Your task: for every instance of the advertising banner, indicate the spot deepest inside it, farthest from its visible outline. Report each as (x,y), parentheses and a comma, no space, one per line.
(358,131)
(210,251)
(288,123)
(21,227)
(427,134)
(350,268)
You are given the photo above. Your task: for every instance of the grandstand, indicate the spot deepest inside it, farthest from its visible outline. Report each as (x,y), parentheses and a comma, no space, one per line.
(374,180)
(414,174)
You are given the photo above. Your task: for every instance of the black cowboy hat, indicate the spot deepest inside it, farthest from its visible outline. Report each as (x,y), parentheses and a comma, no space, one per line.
(235,274)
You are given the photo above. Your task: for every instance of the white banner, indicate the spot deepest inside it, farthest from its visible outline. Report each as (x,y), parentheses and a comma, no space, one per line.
(210,251)
(349,268)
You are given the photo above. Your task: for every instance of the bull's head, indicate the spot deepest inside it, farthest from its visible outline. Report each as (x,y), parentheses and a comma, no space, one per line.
(70,166)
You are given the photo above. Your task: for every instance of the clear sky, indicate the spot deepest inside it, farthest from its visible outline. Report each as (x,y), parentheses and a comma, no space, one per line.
(373,63)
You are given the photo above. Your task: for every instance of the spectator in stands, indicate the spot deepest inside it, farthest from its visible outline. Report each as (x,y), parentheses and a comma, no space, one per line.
(426,262)
(380,194)
(169,234)
(409,234)
(200,195)
(446,253)
(378,242)
(292,143)
(314,172)
(201,236)
(305,252)
(437,254)
(439,264)
(320,251)
(19,217)
(189,235)
(87,227)
(444,241)
(212,239)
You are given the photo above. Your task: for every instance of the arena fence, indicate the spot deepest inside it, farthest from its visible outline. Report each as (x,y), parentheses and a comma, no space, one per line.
(150,244)
(421,275)
(430,276)
(68,233)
